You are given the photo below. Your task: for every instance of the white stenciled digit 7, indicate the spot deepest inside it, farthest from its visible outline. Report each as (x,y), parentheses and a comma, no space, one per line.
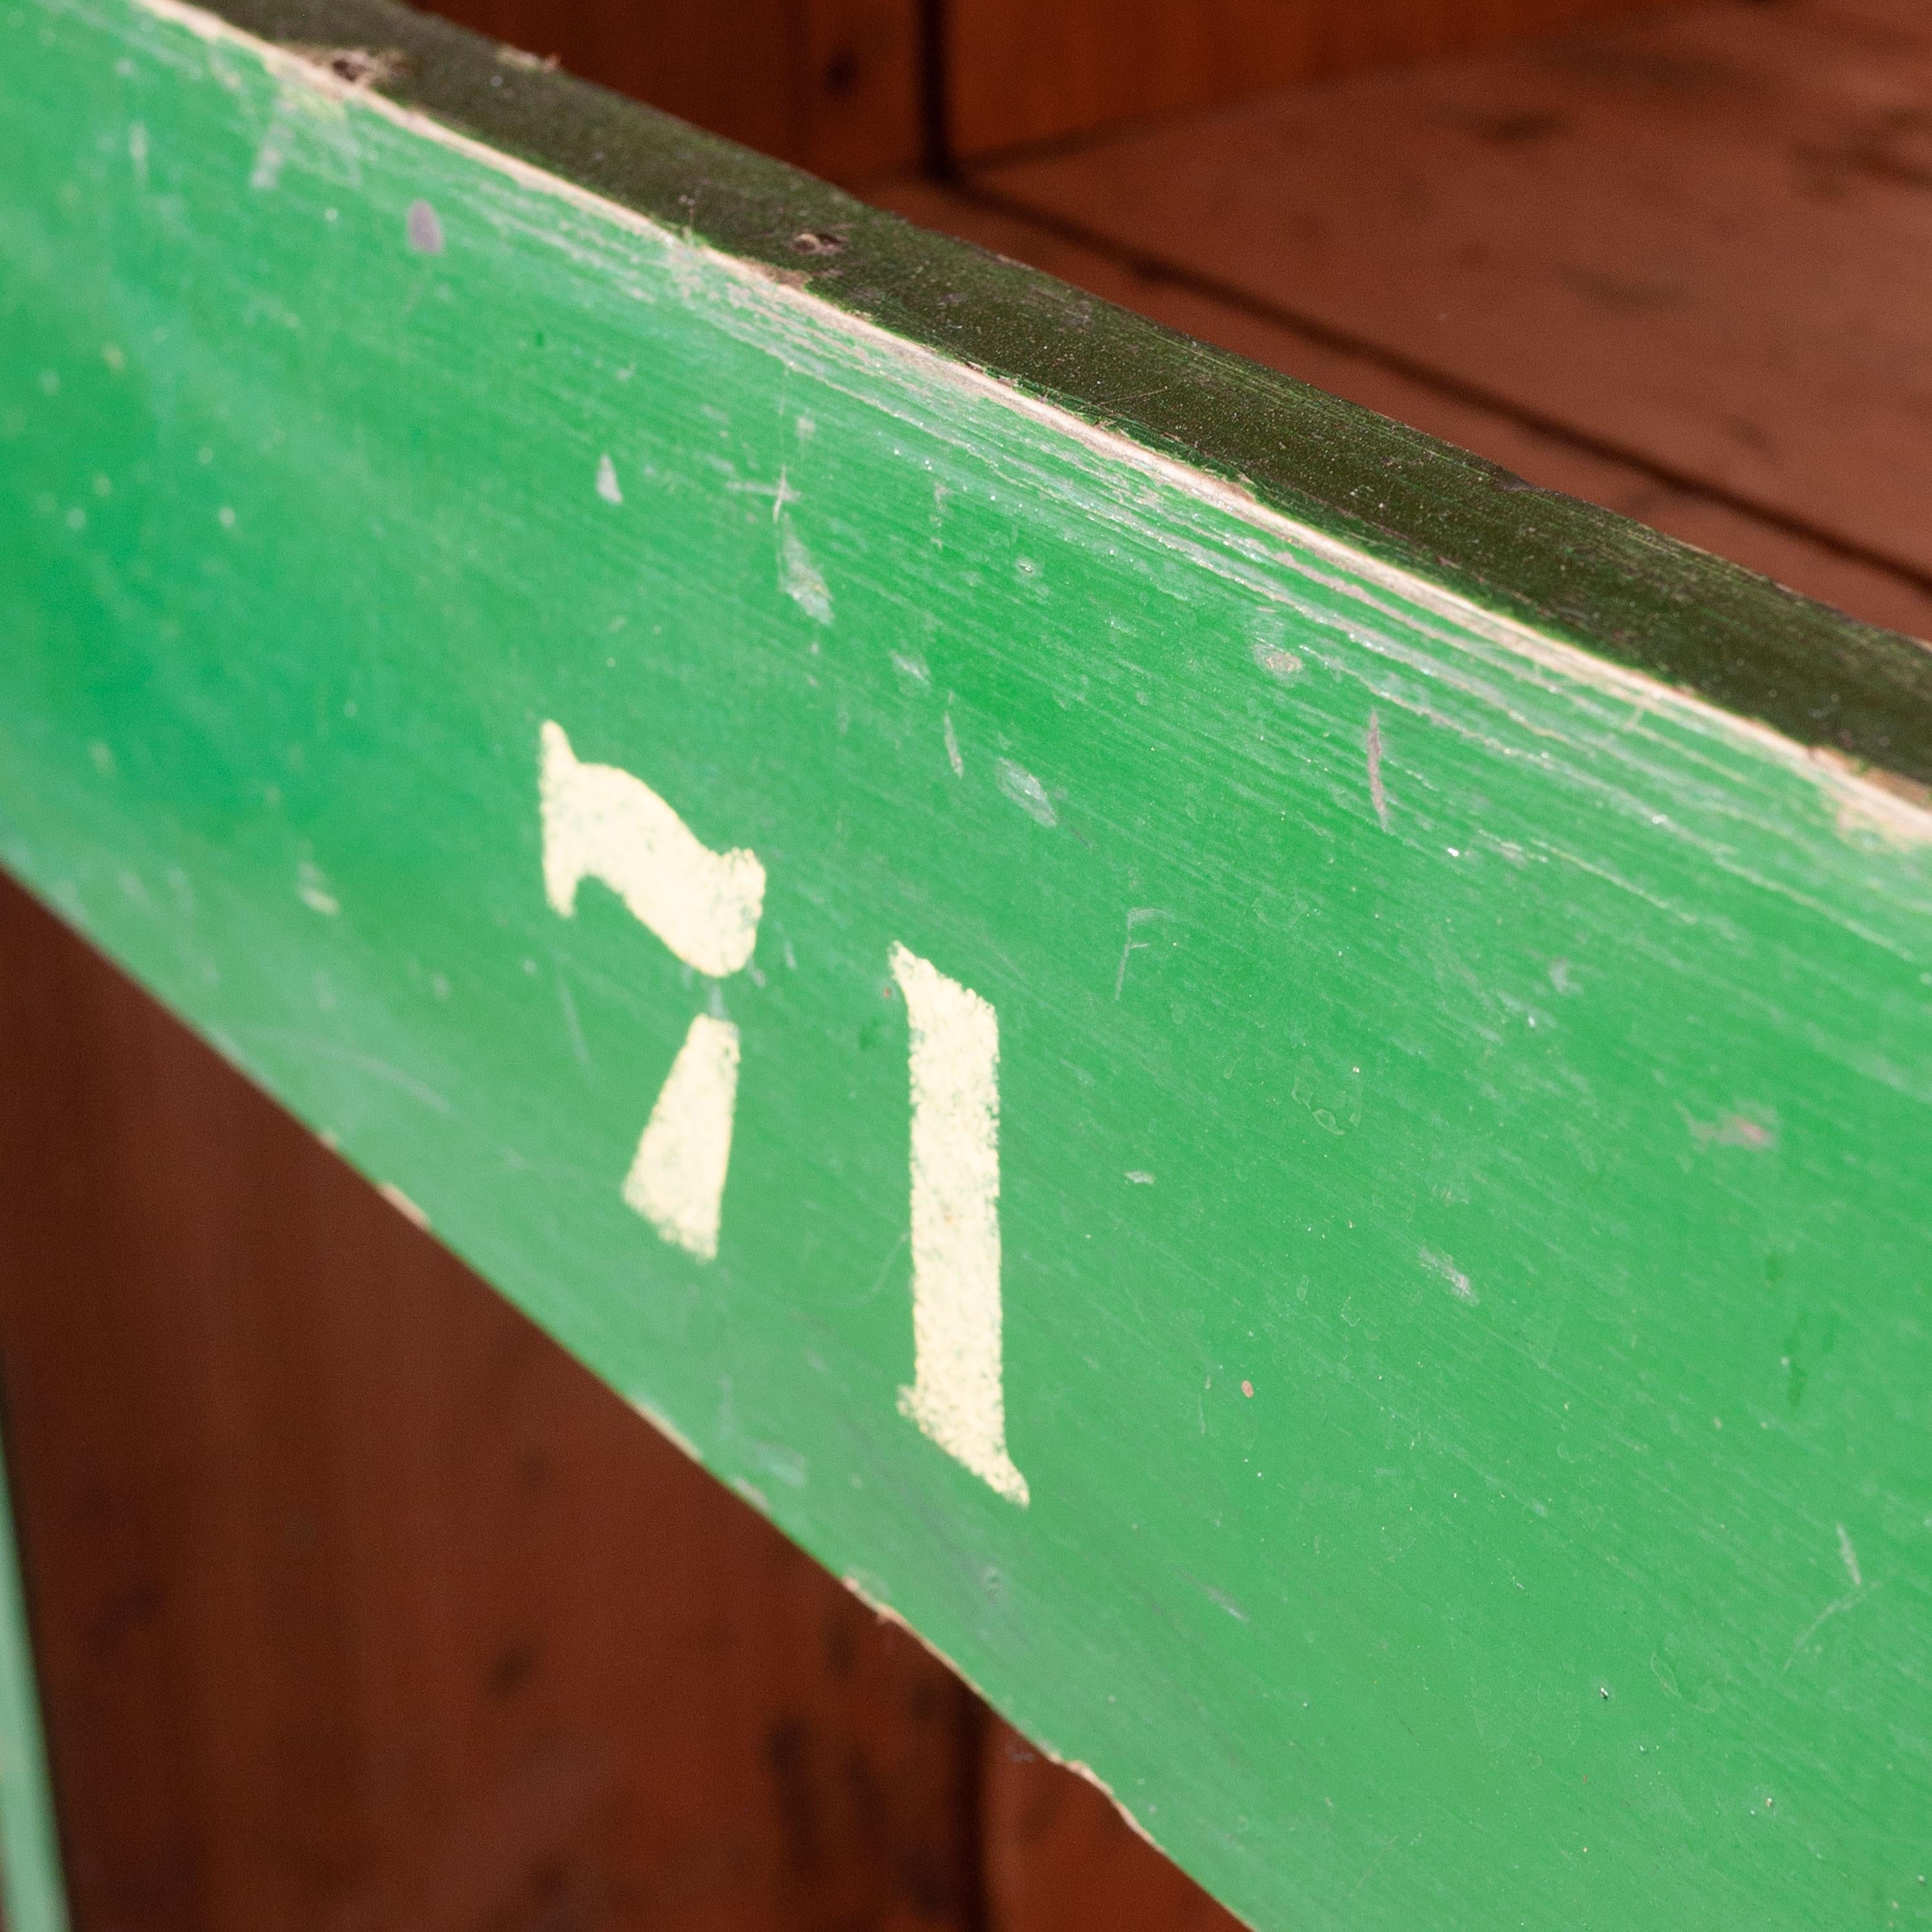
(603,823)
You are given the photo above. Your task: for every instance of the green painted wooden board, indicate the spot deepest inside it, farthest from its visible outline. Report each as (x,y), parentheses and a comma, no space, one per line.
(1319,1063)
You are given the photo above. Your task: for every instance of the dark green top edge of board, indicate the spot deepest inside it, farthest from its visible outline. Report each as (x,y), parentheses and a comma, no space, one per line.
(1596,580)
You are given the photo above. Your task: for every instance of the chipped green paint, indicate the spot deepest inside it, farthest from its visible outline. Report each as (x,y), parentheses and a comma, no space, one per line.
(1461,1101)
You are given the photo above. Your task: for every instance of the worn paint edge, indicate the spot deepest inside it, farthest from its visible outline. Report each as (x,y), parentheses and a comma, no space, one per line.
(1564,566)
(1861,799)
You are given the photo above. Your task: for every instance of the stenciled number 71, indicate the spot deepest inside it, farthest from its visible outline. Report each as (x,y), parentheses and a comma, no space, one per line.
(603,823)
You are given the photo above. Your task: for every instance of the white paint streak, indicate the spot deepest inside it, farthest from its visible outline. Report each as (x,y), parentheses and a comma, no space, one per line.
(607,481)
(677,1181)
(1836,1608)
(603,823)
(402,1204)
(273,154)
(578,1044)
(313,889)
(953,757)
(798,577)
(1458,1282)
(1027,792)
(958,1396)
(1136,916)
(1851,1559)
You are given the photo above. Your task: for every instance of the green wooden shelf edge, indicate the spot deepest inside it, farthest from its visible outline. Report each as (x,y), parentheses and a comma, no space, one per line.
(1565,566)
(1276,1088)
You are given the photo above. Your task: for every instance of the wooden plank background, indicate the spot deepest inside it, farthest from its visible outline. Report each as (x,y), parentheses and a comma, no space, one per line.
(853,89)
(833,85)
(1020,72)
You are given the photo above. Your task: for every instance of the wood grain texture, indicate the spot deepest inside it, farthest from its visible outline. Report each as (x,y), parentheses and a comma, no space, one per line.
(1463,1048)
(1030,71)
(1059,1858)
(1789,555)
(359,1605)
(830,85)
(1702,237)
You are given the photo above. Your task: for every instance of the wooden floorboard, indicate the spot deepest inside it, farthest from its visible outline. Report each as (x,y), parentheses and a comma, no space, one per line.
(1024,71)
(1699,240)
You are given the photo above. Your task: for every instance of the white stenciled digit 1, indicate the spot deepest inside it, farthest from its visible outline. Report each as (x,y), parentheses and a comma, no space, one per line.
(958,1395)
(603,823)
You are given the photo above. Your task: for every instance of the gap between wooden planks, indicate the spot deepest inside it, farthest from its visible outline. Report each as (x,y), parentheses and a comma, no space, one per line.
(1677,267)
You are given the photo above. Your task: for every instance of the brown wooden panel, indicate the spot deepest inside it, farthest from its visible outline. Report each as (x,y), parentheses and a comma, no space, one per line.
(1027,70)
(359,1605)
(1545,456)
(831,85)
(1061,1858)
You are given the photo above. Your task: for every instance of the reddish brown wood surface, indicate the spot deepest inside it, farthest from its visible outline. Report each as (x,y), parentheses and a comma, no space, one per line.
(359,1605)
(841,86)
(1027,70)
(831,85)
(1060,1858)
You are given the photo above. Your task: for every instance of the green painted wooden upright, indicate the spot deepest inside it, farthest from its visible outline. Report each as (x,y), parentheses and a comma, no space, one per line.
(30,1867)
(1406,1345)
